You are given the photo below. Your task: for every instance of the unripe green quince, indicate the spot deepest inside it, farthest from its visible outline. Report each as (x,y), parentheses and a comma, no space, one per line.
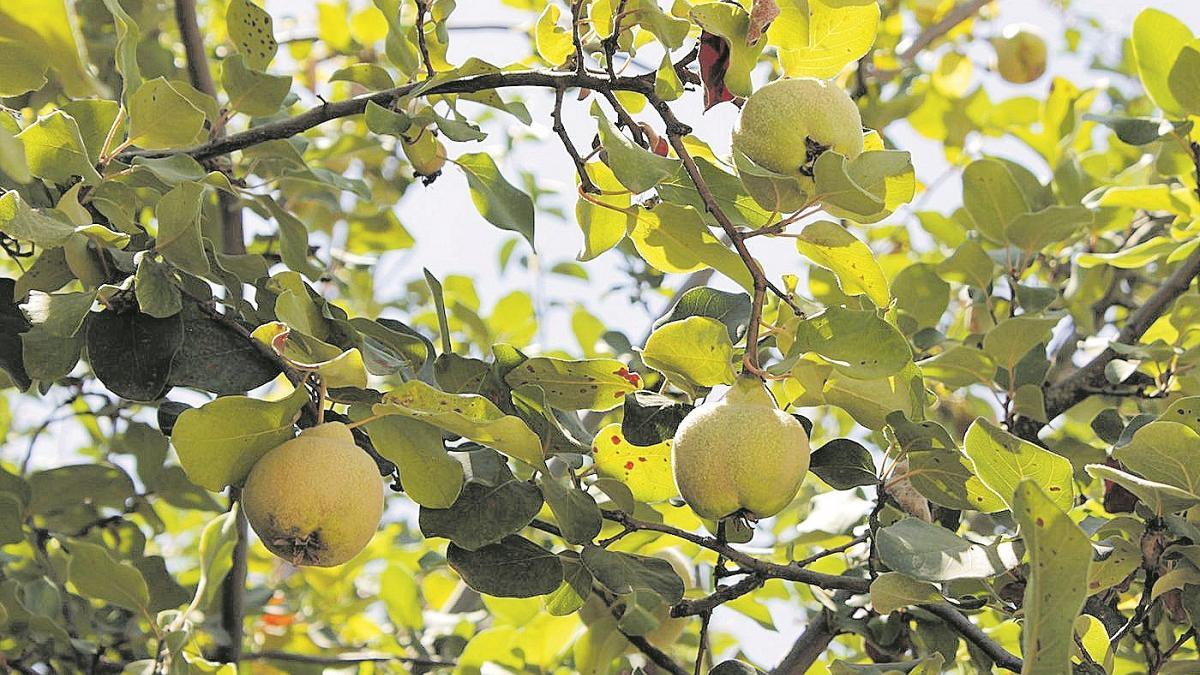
(316,499)
(425,153)
(788,123)
(1020,54)
(740,455)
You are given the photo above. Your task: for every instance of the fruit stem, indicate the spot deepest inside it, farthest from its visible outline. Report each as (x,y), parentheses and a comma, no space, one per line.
(321,393)
(365,420)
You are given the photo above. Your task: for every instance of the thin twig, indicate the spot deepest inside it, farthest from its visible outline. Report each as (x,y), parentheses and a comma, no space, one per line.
(422,11)
(346,659)
(576,19)
(585,181)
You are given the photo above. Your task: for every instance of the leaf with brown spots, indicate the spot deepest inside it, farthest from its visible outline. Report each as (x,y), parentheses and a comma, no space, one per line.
(1060,555)
(645,469)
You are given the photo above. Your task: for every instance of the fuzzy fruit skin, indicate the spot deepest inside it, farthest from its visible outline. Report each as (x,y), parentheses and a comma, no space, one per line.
(316,499)
(780,118)
(740,454)
(1020,54)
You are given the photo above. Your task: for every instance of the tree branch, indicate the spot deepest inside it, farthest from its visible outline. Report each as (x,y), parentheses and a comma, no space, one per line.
(793,572)
(966,628)
(1063,395)
(585,181)
(232,228)
(808,647)
(749,584)
(960,13)
(343,660)
(286,128)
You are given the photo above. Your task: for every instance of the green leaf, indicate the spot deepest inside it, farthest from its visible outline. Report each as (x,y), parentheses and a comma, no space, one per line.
(843,464)
(513,568)
(667,84)
(1130,258)
(857,343)
(837,187)
(24,68)
(552,41)
(668,28)
(217,358)
(574,510)
(645,469)
(20,222)
(95,574)
(251,30)
(590,384)
(993,197)
(217,542)
(372,76)
(892,591)
(1164,452)
(430,476)
(252,92)
(497,200)
(885,176)
(154,285)
(131,353)
(179,238)
(732,23)
(12,157)
(1158,39)
(604,218)
(625,573)
(575,589)
(959,366)
(731,309)
(695,351)
(162,117)
(55,151)
(1002,461)
(674,239)
(467,415)
(1160,498)
(293,240)
(727,189)
(932,553)
(129,34)
(1053,225)
(858,272)
(1012,339)
(1059,557)
(922,293)
(969,265)
(219,442)
(635,167)
(483,514)
(819,38)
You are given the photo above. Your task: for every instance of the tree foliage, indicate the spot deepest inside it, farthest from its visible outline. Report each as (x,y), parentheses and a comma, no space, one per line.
(1000,393)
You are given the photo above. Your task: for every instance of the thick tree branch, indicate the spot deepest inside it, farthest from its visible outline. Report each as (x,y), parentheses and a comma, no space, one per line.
(1090,379)
(200,76)
(808,647)
(233,243)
